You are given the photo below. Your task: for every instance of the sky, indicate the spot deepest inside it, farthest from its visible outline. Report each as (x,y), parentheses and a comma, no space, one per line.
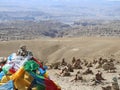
(20,2)
(55,5)
(53,1)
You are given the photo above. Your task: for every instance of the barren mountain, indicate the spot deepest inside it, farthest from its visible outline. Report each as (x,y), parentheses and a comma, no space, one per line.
(53,50)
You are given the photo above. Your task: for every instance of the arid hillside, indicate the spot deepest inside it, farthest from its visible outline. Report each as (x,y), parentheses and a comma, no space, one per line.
(53,50)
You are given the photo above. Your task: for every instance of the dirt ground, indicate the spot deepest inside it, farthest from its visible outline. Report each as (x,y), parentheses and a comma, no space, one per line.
(53,50)
(85,48)
(66,84)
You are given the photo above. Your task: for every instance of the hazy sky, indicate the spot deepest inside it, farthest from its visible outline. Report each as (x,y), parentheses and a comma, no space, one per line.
(46,1)
(33,2)
(57,3)
(52,1)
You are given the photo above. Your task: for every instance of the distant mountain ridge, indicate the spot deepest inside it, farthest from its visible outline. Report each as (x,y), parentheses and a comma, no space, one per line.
(23,19)
(23,15)
(23,30)
(26,30)
(63,10)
